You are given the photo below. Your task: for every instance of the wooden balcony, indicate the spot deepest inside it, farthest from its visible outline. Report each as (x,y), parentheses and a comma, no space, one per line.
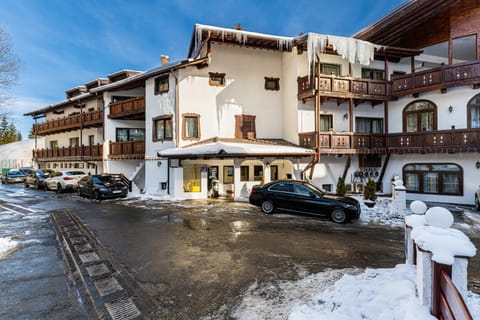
(439,78)
(443,141)
(84,120)
(345,142)
(84,153)
(344,88)
(132,109)
(446,141)
(134,149)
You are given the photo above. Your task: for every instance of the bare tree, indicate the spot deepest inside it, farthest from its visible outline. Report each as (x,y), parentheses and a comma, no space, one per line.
(9,66)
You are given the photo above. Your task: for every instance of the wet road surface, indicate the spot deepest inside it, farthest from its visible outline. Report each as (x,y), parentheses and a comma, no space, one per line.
(194,259)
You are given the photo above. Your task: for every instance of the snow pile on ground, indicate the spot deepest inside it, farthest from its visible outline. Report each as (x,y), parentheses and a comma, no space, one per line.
(7,245)
(381,294)
(384,212)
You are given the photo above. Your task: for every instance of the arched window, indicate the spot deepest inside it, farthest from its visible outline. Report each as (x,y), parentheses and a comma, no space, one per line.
(473,116)
(420,116)
(436,178)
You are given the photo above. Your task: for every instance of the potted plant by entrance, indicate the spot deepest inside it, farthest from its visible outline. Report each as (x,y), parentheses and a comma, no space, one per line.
(369,193)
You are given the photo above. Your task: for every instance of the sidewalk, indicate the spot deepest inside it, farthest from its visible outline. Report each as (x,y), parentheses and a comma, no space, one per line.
(34,282)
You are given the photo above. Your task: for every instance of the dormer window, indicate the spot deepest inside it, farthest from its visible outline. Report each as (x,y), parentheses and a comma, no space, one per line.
(272,84)
(216,79)
(162,85)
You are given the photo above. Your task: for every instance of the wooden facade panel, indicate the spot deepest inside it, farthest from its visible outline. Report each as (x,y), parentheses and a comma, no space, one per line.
(465,16)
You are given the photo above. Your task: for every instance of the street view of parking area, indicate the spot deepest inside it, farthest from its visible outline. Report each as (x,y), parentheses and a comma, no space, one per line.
(204,259)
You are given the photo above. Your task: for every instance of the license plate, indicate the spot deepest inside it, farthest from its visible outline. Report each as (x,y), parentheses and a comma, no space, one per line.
(117,191)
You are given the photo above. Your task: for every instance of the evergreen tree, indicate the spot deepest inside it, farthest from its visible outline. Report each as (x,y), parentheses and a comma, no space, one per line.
(341,188)
(8,132)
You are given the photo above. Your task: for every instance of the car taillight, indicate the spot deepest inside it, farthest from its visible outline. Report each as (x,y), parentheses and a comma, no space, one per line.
(253,191)
(67,178)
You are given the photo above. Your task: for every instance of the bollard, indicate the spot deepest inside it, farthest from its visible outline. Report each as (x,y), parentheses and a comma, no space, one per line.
(416,219)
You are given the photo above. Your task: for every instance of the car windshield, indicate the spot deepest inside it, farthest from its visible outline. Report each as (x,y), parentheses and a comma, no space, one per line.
(103,180)
(14,173)
(315,188)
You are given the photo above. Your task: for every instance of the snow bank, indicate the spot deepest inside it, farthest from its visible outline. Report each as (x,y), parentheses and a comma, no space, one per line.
(7,246)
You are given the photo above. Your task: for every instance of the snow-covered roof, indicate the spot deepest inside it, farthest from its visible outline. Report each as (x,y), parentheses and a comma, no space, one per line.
(235,149)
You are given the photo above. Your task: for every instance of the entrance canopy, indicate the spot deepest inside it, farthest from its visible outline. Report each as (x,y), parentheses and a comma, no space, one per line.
(214,148)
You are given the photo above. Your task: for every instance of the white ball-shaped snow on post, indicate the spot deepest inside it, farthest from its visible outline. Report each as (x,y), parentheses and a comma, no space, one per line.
(418,207)
(439,217)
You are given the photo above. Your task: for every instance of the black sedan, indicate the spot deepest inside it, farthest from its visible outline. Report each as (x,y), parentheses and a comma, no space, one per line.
(302,197)
(101,187)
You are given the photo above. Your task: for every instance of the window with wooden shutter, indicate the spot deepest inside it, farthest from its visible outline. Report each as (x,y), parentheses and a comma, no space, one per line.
(245,127)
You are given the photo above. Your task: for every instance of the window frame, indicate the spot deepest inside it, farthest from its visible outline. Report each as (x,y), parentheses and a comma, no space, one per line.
(332,65)
(419,117)
(186,116)
(471,105)
(163,118)
(275,81)
(239,120)
(128,134)
(421,174)
(214,82)
(74,142)
(328,116)
(373,74)
(158,84)
(225,174)
(244,176)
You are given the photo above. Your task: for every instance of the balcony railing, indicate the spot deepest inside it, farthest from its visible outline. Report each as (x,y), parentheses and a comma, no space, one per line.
(461,140)
(344,87)
(345,142)
(134,149)
(437,78)
(69,153)
(443,141)
(84,120)
(133,108)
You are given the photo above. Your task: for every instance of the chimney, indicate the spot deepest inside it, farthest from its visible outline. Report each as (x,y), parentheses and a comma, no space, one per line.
(164,59)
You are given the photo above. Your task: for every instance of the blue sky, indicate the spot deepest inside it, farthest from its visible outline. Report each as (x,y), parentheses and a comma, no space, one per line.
(66,43)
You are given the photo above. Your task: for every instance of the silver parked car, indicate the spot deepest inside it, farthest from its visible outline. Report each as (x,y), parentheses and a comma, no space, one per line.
(64,180)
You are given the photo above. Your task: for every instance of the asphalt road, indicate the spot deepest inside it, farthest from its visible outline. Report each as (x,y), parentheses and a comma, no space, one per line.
(193,259)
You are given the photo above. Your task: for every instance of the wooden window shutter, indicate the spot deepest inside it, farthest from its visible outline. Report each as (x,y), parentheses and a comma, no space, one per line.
(245,127)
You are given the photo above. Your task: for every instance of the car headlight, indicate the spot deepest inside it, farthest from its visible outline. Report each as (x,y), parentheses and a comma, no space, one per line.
(351,207)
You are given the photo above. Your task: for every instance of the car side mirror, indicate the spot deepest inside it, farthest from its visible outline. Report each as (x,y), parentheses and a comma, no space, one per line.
(313,195)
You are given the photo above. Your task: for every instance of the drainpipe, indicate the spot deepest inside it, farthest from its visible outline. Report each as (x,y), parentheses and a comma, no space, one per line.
(317,102)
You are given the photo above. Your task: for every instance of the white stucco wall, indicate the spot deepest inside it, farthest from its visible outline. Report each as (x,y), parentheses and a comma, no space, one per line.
(244,92)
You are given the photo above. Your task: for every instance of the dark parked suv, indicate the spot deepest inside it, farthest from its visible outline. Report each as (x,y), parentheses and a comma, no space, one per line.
(302,197)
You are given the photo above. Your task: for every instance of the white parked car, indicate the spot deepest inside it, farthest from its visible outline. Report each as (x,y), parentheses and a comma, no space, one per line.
(64,180)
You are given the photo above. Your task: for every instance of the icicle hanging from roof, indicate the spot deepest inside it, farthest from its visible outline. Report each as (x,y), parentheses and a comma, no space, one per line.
(351,49)
(241,36)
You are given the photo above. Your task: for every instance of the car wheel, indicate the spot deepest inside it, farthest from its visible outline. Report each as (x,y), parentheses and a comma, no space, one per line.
(477,203)
(59,188)
(96,195)
(79,192)
(37,185)
(267,207)
(339,215)
(26,184)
